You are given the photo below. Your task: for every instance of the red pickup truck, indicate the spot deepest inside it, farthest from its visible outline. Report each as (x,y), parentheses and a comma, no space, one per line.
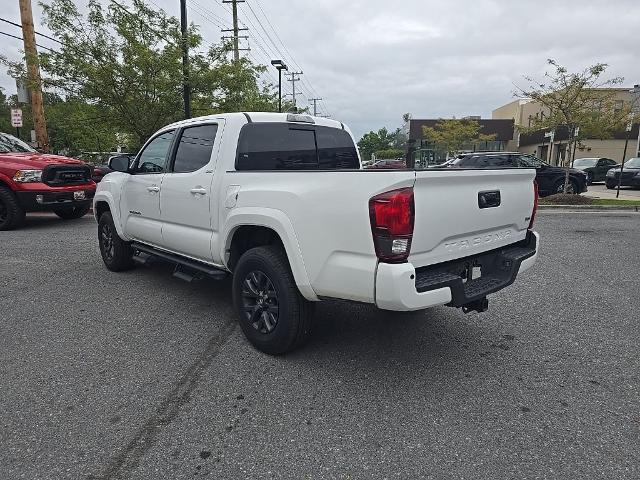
(34,182)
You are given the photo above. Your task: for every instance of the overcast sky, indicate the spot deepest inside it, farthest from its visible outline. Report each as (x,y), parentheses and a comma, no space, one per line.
(373,60)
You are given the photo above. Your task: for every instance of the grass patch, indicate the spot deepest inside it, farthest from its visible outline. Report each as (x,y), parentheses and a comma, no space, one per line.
(613,201)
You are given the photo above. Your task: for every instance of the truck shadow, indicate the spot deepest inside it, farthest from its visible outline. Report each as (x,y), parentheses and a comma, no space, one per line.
(349,336)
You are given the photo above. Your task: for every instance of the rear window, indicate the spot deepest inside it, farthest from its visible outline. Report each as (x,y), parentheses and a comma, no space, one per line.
(284,146)
(194,149)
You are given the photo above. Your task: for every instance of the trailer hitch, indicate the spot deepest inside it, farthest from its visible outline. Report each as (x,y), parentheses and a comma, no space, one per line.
(480,305)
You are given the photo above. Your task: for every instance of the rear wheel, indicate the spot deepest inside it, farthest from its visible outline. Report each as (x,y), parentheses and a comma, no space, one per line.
(73,212)
(11,213)
(273,315)
(571,187)
(117,254)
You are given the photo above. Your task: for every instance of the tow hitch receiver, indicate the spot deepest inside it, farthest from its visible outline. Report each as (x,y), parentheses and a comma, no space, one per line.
(480,305)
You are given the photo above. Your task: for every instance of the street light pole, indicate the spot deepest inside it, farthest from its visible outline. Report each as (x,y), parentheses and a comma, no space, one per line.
(279,64)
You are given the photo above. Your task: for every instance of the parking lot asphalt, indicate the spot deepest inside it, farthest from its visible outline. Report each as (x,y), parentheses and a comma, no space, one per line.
(599,190)
(140,375)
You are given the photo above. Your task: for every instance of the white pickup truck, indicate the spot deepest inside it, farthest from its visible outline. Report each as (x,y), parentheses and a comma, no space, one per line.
(280,202)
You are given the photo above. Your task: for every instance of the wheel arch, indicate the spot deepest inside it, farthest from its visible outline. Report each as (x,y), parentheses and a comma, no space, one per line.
(104,202)
(248,228)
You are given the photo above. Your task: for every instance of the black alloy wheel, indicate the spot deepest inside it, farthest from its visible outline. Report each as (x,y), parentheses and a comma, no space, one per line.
(108,246)
(260,302)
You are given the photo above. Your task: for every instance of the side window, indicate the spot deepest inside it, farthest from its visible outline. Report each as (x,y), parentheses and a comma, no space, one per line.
(194,148)
(602,162)
(276,146)
(336,149)
(609,162)
(153,158)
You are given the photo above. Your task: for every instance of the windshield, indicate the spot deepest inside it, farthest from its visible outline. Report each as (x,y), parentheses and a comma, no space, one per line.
(585,162)
(9,143)
(632,163)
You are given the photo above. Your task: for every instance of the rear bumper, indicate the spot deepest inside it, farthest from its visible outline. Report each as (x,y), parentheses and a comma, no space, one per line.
(47,200)
(402,287)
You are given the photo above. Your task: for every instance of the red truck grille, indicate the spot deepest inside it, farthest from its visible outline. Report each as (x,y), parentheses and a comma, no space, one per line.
(57,175)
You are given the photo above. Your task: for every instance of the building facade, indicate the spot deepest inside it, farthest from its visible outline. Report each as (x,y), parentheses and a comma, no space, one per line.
(524,112)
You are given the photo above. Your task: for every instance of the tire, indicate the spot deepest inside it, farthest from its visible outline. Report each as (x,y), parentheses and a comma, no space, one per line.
(589,178)
(117,254)
(73,212)
(273,315)
(610,185)
(572,187)
(11,213)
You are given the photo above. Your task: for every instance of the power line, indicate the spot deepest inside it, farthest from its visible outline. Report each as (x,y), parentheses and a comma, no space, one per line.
(291,60)
(22,39)
(37,33)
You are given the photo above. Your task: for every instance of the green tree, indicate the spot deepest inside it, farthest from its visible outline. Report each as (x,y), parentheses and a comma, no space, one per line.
(389,153)
(576,101)
(452,135)
(5,113)
(375,141)
(126,66)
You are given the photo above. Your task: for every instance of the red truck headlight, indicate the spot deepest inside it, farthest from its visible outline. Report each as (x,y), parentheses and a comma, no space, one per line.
(27,176)
(392,214)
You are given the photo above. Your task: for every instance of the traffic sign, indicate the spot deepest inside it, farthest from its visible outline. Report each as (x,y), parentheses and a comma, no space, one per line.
(16,117)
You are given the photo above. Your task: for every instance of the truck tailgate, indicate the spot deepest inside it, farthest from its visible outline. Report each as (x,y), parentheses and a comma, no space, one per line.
(465,212)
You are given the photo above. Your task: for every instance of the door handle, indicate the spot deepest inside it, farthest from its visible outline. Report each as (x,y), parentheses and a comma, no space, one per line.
(153,189)
(198,191)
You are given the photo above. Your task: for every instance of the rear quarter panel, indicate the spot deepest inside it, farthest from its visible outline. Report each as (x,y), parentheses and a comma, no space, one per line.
(328,213)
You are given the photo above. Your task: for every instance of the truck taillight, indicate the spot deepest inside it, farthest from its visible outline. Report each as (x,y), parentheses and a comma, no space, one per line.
(392,215)
(535,204)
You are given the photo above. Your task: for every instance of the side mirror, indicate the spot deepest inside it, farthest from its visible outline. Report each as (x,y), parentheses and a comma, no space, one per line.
(120,163)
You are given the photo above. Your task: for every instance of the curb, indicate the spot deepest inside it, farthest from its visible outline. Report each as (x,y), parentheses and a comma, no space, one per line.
(632,208)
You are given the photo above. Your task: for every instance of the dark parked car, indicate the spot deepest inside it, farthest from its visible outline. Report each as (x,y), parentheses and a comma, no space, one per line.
(595,168)
(389,164)
(630,174)
(99,172)
(550,178)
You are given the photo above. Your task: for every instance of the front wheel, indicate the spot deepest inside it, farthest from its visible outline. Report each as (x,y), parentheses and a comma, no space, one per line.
(11,213)
(117,254)
(589,178)
(73,212)
(273,315)
(610,185)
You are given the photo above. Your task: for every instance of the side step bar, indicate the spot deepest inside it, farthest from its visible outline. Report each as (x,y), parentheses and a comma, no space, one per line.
(185,268)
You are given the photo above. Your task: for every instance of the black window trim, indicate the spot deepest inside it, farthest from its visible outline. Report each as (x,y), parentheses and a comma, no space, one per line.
(296,126)
(176,144)
(166,158)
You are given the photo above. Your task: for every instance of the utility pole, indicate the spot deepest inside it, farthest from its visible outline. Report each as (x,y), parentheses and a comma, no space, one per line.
(293,81)
(33,73)
(315,105)
(235,38)
(186,88)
